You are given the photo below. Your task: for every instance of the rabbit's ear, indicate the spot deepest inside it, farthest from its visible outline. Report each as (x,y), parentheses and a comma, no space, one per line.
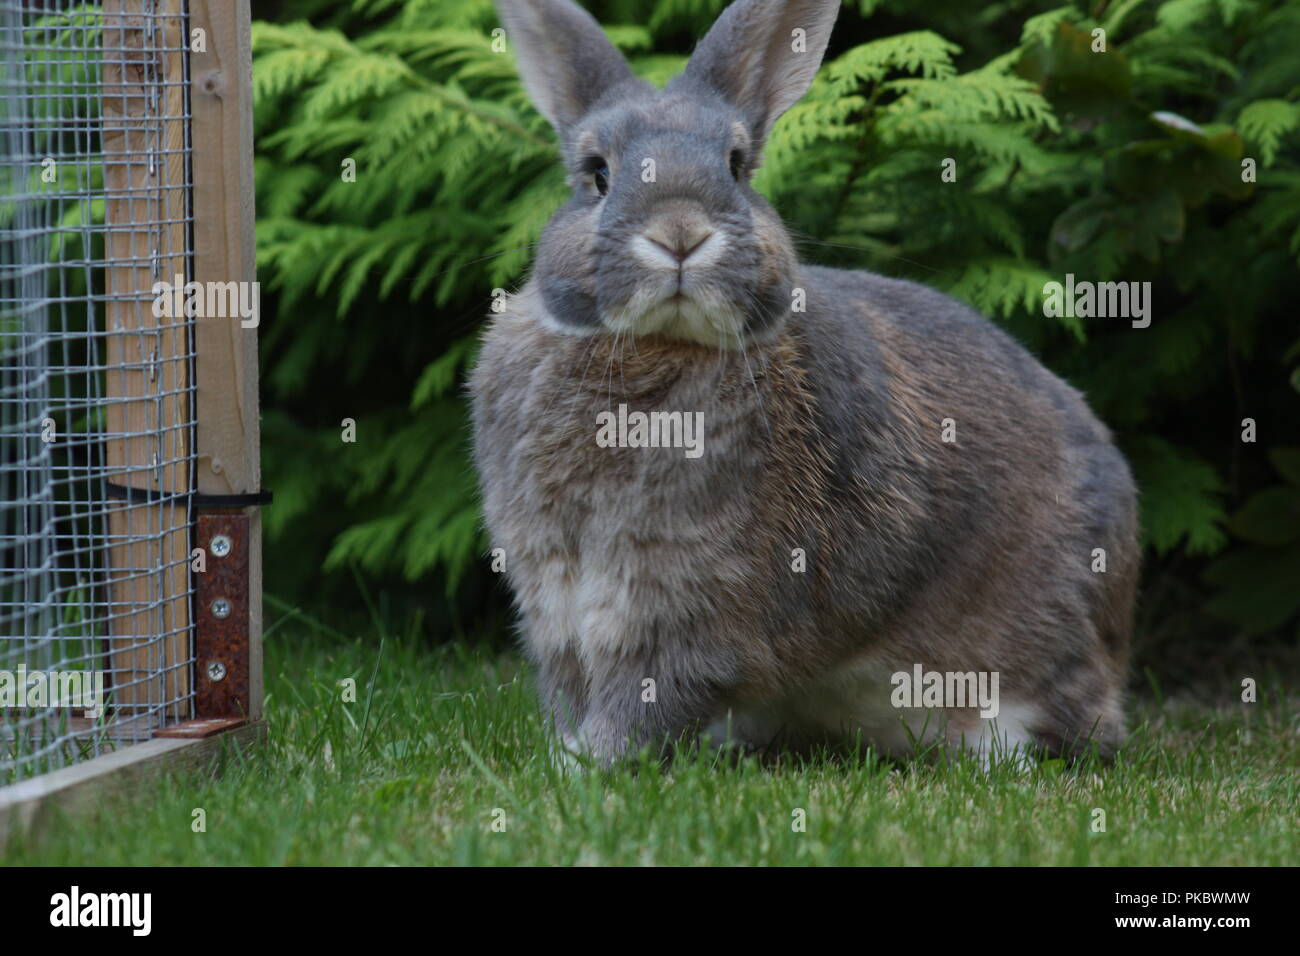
(565,59)
(762,55)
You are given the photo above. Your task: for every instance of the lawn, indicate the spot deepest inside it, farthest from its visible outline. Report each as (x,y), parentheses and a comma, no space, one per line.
(442,759)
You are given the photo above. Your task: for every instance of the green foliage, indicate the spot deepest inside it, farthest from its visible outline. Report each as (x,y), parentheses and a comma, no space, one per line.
(1269,522)
(1122,165)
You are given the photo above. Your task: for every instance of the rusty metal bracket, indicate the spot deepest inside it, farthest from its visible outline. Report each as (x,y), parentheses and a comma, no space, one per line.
(202,728)
(221,653)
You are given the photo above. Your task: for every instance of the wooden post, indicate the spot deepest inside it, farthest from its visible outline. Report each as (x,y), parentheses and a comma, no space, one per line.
(229,460)
(147,391)
(147,356)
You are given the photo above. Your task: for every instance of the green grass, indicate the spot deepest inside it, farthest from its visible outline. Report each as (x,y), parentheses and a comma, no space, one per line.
(437,740)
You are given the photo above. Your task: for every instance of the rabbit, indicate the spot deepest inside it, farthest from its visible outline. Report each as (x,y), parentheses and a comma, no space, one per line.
(885,482)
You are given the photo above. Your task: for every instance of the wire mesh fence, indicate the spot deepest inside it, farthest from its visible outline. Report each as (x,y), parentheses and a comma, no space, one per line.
(96,383)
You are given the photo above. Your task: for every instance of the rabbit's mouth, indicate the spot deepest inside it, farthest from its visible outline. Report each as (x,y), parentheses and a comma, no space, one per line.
(685,313)
(679,294)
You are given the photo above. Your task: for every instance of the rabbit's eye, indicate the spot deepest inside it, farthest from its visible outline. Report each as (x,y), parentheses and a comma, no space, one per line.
(737,164)
(598,169)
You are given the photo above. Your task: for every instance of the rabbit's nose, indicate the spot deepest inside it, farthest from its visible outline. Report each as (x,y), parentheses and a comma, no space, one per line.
(679,230)
(682,245)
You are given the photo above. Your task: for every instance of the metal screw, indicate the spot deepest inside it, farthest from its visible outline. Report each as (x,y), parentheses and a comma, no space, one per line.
(220,545)
(221,608)
(216,671)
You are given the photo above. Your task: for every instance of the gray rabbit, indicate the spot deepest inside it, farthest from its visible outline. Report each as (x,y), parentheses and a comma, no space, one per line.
(884,482)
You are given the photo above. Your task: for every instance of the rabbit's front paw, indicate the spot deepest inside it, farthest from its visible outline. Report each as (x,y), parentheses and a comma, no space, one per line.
(592,746)
(567,754)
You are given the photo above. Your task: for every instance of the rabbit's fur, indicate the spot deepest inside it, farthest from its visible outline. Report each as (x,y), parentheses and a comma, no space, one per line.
(823,432)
